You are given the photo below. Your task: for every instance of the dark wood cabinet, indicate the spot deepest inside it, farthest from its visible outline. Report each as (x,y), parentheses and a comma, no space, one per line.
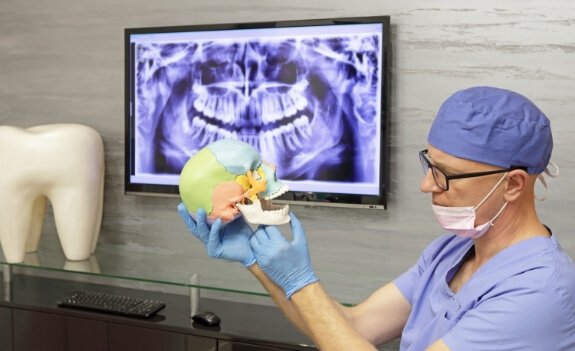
(238,346)
(38,331)
(86,334)
(196,343)
(5,328)
(124,337)
(31,321)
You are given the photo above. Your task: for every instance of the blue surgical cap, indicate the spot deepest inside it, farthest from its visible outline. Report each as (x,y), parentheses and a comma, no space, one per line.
(493,126)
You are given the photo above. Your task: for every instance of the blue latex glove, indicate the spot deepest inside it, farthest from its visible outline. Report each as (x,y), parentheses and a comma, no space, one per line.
(286,263)
(229,242)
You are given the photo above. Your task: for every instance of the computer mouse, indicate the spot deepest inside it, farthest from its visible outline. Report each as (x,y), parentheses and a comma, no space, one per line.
(207,318)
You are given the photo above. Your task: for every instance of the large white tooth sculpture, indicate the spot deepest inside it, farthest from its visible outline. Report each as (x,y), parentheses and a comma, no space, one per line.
(62,163)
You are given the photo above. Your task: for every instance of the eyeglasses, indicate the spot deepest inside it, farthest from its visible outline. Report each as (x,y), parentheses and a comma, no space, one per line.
(442,179)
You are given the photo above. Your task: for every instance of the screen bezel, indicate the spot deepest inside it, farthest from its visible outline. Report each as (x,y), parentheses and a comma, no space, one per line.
(297,198)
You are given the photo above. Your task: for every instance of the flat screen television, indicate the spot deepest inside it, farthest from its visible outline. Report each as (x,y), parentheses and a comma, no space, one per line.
(312,96)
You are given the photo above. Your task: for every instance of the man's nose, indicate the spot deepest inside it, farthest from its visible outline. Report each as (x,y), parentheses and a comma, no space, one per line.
(428,183)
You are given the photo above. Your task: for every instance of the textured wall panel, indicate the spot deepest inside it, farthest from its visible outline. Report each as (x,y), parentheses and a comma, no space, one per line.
(62,61)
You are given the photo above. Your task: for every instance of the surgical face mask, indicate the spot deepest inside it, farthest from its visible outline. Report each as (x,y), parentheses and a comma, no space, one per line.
(461,220)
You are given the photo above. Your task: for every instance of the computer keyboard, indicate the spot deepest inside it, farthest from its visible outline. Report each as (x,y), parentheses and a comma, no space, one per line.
(113,304)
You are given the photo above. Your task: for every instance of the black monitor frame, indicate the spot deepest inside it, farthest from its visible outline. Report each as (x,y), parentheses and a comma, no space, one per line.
(298,198)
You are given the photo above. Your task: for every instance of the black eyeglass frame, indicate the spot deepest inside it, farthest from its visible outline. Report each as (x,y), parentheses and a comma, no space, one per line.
(423,157)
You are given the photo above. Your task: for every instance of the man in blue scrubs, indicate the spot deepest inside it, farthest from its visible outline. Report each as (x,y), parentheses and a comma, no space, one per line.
(497,280)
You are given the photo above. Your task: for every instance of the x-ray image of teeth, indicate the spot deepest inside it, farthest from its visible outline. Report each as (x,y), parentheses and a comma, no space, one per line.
(309,105)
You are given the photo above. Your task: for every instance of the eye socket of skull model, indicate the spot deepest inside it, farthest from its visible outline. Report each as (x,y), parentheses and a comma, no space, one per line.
(227,177)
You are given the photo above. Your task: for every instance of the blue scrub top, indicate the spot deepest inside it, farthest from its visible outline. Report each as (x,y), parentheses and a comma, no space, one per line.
(521,299)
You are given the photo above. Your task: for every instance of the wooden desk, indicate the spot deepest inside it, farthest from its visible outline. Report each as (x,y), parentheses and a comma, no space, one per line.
(30,320)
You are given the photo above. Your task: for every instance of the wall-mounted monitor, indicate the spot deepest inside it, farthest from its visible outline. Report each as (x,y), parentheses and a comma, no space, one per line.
(312,96)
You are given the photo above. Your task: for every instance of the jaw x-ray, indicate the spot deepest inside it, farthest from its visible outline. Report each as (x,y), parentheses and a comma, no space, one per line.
(310,104)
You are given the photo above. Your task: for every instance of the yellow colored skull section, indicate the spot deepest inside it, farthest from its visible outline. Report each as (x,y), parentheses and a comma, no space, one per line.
(253,182)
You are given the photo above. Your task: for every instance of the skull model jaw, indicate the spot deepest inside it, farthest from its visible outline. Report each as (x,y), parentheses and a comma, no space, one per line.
(227,178)
(256,214)
(62,163)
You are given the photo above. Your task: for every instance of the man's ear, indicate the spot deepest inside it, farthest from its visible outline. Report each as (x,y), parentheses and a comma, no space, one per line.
(517,183)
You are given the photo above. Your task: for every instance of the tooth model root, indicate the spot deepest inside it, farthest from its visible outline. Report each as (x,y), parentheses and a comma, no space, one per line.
(60,163)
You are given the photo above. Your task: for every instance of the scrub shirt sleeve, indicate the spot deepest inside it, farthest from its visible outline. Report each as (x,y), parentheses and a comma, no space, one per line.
(408,280)
(516,318)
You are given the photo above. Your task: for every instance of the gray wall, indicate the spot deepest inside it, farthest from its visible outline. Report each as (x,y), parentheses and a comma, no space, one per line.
(62,61)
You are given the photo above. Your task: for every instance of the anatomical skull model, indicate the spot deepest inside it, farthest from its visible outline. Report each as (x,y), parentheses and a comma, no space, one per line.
(227,178)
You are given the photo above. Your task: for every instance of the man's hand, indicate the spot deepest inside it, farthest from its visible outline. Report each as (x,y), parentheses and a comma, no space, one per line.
(286,263)
(229,242)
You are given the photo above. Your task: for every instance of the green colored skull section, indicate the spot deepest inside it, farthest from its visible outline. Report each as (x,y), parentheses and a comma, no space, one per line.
(201,175)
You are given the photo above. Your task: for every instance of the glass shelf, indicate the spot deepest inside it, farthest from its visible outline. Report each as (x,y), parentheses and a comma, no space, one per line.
(145,266)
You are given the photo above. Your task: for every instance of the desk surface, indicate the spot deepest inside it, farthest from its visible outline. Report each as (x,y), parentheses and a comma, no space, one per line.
(241,322)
